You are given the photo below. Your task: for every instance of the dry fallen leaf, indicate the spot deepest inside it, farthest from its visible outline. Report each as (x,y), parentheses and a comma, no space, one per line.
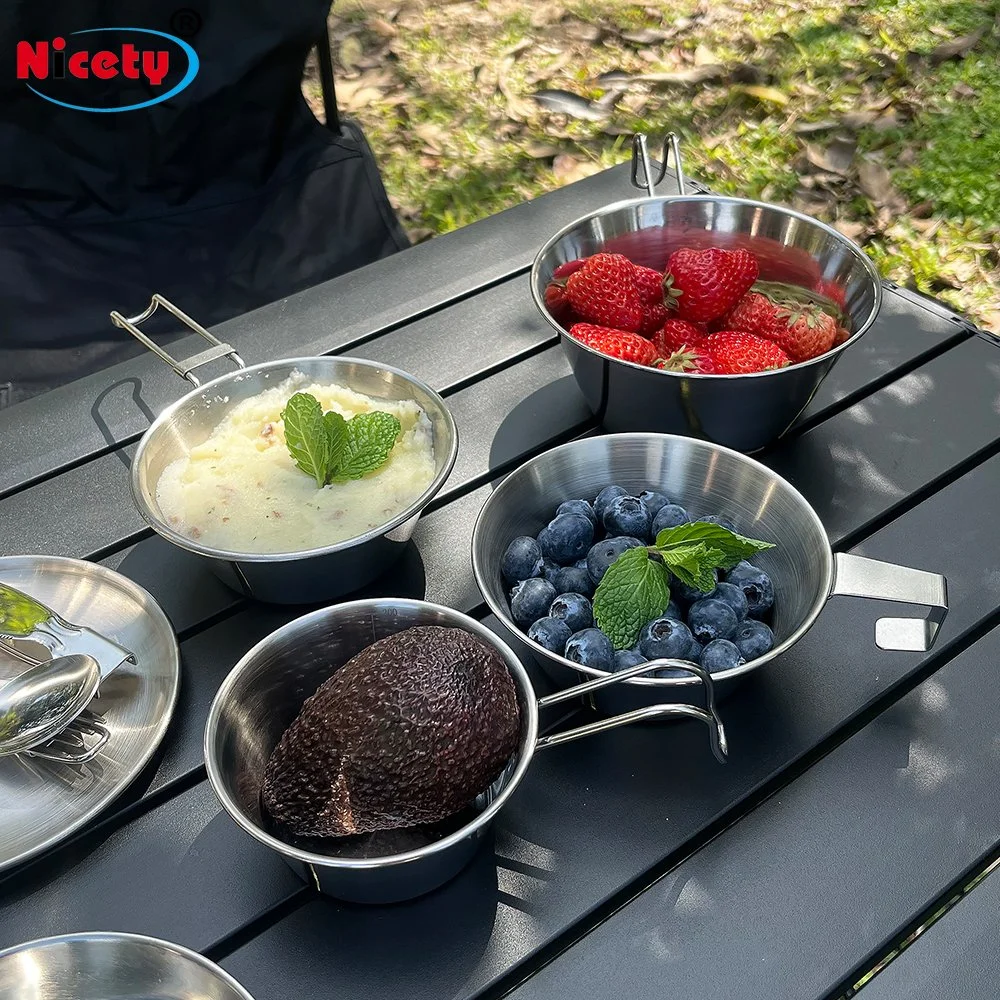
(581,31)
(962,90)
(704,56)
(762,93)
(836,158)
(383,27)
(876,182)
(563,102)
(647,36)
(541,150)
(958,47)
(851,229)
(350,52)
(807,128)
(568,168)
(684,77)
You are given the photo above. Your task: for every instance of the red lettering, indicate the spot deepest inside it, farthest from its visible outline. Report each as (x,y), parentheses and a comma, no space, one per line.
(78,65)
(32,61)
(103,64)
(155,66)
(130,61)
(59,43)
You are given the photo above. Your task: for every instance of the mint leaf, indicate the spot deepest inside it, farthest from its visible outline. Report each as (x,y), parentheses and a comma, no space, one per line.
(306,436)
(692,564)
(336,435)
(370,438)
(632,592)
(723,548)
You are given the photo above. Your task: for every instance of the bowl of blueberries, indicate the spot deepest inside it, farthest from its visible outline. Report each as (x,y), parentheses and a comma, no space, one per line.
(553,554)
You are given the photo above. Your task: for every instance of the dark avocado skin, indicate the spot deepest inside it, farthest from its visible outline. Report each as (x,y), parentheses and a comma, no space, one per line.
(407,732)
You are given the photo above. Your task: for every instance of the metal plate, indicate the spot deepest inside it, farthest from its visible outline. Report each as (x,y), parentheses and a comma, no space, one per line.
(42,802)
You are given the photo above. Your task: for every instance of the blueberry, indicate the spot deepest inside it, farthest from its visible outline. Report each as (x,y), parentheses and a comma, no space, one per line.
(626,658)
(522,559)
(694,651)
(721,654)
(654,501)
(730,594)
(592,648)
(574,609)
(530,600)
(668,516)
(709,619)
(573,580)
(753,639)
(550,633)
(627,516)
(673,611)
(689,595)
(603,554)
(605,497)
(566,537)
(755,584)
(582,507)
(549,570)
(720,520)
(665,638)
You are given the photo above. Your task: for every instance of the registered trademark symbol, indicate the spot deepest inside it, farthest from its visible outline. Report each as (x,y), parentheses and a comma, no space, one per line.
(185,22)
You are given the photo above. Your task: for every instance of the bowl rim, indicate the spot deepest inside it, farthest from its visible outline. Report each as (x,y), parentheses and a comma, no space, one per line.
(502,612)
(524,753)
(873,275)
(128,937)
(232,555)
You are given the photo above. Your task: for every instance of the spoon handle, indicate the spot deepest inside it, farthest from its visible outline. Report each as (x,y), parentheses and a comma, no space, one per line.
(23,619)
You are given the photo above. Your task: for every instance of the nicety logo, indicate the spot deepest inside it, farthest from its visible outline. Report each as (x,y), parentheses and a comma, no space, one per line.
(127,62)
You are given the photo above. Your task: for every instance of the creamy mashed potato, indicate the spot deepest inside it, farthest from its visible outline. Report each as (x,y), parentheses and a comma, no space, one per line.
(241,491)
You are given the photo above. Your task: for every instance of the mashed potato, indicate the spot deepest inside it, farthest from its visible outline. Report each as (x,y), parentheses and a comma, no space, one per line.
(241,491)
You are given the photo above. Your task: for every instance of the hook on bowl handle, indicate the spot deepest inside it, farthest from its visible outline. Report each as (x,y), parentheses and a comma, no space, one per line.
(640,159)
(185,368)
(857,576)
(708,715)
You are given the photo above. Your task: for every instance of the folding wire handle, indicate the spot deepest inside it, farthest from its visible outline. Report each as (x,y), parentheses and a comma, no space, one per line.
(641,162)
(185,368)
(70,746)
(708,715)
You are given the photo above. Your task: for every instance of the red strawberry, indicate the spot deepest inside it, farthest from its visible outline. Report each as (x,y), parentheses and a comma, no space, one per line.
(620,344)
(803,331)
(674,335)
(692,358)
(555,298)
(755,313)
(604,292)
(653,318)
(735,352)
(833,291)
(649,284)
(705,284)
(565,270)
(842,336)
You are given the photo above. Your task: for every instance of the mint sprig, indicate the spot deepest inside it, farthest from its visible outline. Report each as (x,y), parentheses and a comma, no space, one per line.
(636,587)
(332,449)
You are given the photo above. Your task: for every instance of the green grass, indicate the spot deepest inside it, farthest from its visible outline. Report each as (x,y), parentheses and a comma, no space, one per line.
(494,146)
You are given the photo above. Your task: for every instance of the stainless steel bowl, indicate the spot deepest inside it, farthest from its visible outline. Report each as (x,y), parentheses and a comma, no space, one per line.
(107,966)
(704,478)
(265,692)
(744,412)
(282,577)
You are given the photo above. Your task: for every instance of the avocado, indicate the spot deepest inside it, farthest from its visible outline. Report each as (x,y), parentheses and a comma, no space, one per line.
(408,732)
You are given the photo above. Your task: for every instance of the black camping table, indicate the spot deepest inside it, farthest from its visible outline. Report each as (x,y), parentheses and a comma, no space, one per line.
(861,791)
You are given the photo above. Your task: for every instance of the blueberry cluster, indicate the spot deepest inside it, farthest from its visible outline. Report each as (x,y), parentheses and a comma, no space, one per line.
(554,576)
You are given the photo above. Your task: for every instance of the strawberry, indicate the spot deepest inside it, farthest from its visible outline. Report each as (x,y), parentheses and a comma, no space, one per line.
(693,358)
(755,313)
(604,292)
(735,352)
(705,284)
(654,310)
(833,291)
(649,284)
(653,318)
(801,329)
(842,336)
(675,335)
(620,344)
(565,270)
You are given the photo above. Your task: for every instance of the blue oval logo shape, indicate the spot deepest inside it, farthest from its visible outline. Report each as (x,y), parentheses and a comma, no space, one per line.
(192,71)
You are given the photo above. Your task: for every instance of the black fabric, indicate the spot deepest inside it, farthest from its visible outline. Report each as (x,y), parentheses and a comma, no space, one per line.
(225,197)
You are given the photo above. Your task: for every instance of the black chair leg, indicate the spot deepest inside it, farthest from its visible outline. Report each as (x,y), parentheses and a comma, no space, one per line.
(326,81)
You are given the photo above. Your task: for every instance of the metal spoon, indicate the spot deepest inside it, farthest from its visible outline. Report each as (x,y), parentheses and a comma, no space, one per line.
(40,703)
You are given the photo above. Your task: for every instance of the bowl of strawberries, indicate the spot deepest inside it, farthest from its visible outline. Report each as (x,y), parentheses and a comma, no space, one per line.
(703,315)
